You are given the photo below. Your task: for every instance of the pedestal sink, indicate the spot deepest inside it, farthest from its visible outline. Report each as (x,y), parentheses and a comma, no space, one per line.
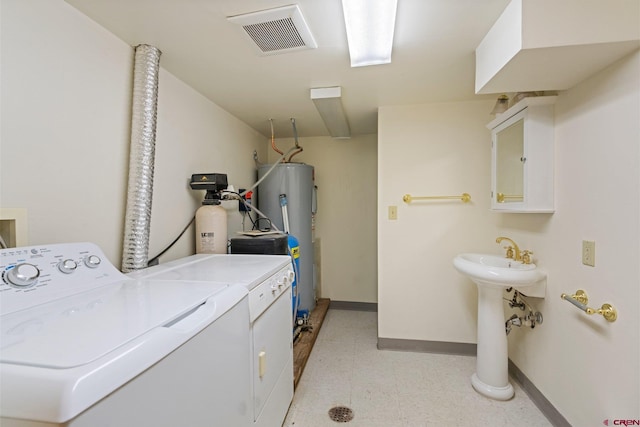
(493,274)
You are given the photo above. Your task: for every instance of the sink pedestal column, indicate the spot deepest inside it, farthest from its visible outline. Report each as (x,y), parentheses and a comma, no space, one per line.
(492,366)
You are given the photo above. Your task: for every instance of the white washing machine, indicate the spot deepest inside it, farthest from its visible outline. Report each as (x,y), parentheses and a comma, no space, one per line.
(268,279)
(84,345)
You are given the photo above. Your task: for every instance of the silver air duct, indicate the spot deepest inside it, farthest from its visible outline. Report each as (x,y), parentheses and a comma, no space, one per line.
(135,252)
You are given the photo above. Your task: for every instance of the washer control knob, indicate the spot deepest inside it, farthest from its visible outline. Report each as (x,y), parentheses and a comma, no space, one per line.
(280,284)
(291,275)
(92,261)
(274,287)
(67,266)
(23,275)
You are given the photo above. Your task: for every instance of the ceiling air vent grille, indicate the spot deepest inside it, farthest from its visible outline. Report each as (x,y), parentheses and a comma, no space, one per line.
(275,35)
(277,30)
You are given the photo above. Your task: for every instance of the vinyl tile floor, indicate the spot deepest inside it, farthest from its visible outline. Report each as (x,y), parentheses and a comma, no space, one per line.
(386,388)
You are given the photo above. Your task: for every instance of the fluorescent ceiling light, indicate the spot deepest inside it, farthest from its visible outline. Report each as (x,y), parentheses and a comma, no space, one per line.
(370,26)
(329,105)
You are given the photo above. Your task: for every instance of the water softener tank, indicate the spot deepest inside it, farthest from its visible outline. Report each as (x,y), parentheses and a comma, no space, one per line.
(211,228)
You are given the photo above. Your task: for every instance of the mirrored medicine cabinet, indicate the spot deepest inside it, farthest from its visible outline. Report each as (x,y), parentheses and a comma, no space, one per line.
(522,157)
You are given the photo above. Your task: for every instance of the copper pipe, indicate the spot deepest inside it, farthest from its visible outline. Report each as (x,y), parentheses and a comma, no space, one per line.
(273,139)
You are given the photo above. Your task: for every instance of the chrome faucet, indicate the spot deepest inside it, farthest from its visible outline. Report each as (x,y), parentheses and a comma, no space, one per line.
(513,251)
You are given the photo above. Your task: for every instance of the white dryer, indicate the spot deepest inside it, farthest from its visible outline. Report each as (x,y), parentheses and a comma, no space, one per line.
(268,279)
(84,345)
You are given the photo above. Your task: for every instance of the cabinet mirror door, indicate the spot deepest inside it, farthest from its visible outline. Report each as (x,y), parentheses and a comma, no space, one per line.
(509,163)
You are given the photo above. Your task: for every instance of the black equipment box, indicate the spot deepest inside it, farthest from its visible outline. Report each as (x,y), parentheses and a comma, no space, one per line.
(269,244)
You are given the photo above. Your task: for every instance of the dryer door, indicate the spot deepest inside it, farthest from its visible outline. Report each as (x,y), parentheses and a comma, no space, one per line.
(273,362)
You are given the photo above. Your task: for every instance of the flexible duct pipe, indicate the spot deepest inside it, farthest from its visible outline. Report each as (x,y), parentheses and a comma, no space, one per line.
(135,252)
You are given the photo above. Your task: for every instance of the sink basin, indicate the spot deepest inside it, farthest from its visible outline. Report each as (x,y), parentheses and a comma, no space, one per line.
(497,270)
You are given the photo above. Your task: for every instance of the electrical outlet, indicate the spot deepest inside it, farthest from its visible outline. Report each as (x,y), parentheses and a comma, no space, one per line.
(393,212)
(589,253)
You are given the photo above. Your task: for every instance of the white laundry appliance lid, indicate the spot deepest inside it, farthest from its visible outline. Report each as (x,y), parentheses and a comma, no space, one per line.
(77,330)
(248,270)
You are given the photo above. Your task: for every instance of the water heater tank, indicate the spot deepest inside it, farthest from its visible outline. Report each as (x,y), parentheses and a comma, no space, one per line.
(296,181)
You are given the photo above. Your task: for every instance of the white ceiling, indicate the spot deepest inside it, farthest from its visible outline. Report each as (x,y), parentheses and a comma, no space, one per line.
(433,56)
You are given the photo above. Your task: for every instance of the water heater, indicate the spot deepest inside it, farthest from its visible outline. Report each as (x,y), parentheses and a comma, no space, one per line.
(296,181)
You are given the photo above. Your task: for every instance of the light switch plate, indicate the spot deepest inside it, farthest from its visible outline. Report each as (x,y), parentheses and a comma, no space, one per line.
(589,253)
(393,212)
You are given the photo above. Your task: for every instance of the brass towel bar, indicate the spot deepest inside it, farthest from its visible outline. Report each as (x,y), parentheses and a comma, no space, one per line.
(580,300)
(502,197)
(408,198)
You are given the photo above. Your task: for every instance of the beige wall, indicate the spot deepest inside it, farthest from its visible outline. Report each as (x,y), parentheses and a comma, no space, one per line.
(431,150)
(589,368)
(345,173)
(66,94)
(586,367)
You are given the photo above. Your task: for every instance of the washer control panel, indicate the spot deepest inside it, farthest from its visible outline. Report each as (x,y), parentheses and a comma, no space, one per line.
(38,274)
